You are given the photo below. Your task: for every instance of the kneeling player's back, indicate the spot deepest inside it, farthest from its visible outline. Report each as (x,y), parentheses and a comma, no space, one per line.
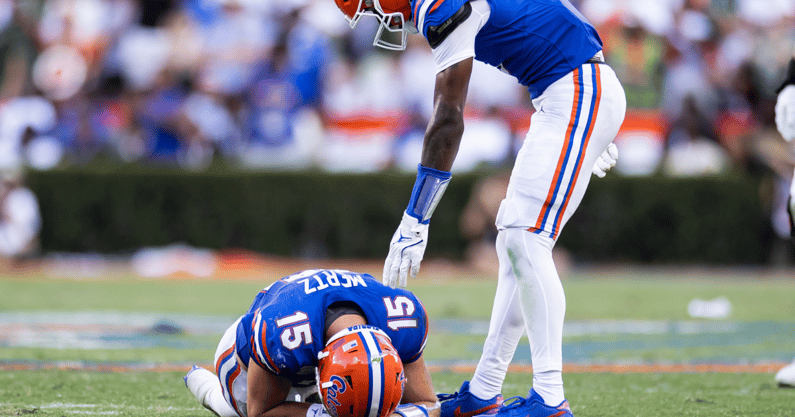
(284,328)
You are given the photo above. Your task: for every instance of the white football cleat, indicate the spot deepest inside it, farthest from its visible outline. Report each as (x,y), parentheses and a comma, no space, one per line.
(786,376)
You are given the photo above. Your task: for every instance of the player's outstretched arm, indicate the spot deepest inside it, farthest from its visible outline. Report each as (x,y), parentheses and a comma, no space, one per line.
(419,399)
(442,139)
(444,132)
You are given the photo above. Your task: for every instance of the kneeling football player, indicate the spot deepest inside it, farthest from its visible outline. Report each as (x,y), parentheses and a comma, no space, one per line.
(322,343)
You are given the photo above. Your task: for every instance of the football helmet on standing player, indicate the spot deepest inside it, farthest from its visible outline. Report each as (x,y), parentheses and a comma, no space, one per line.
(394,17)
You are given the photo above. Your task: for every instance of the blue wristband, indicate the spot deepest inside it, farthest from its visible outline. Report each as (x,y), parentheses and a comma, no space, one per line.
(411,410)
(427,192)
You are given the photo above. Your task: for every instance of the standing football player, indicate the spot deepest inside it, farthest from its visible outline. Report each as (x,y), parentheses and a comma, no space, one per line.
(785,123)
(335,337)
(552,50)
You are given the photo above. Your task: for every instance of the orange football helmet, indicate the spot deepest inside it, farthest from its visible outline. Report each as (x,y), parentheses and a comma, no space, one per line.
(394,16)
(359,374)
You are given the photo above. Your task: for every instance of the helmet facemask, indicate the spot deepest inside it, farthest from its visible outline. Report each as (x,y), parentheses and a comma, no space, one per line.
(392,24)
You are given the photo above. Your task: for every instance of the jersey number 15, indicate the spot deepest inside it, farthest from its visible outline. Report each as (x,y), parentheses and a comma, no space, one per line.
(297,331)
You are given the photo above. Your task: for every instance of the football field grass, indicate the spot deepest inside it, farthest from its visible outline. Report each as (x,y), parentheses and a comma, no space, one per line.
(627,331)
(59,393)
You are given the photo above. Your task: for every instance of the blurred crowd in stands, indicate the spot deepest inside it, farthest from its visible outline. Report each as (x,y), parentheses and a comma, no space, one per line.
(287,85)
(267,85)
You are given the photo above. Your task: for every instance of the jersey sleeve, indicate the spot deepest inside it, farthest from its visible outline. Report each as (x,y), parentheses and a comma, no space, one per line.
(453,41)
(261,349)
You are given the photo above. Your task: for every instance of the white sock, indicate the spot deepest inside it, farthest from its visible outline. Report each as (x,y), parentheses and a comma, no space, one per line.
(506,328)
(204,385)
(549,385)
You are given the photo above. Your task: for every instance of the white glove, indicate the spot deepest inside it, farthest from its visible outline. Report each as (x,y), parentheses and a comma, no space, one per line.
(405,251)
(605,161)
(785,113)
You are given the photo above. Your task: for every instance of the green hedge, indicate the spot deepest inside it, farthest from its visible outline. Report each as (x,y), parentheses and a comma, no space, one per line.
(303,214)
(712,220)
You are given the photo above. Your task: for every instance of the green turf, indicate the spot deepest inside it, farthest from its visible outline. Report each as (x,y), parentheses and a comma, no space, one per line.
(660,349)
(634,295)
(617,295)
(128,294)
(58,393)
(155,355)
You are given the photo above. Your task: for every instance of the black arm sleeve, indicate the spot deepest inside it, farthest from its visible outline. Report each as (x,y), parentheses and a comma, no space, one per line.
(437,34)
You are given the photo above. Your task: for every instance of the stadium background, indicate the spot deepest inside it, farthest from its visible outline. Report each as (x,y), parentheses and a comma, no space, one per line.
(185,153)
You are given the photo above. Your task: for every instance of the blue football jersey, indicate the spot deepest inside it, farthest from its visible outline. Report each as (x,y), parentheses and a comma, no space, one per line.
(283,330)
(536,41)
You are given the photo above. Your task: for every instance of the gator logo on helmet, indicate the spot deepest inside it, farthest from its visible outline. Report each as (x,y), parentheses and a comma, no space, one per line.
(338,386)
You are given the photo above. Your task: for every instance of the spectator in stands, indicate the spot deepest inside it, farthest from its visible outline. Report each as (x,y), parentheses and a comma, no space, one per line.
(112,121)
(636,54)
(158,115)
(693,147)
(20,219)
(27,133)
(728,55)
(284,101)
(17,50)
(235,41)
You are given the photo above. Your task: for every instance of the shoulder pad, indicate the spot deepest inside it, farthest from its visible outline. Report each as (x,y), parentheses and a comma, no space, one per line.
(437,34)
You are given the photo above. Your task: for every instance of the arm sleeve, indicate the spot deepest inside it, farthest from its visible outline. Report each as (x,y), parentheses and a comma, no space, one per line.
(460,44)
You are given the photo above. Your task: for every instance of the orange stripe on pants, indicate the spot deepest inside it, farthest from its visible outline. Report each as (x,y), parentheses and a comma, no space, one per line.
(572,118)
(598,88)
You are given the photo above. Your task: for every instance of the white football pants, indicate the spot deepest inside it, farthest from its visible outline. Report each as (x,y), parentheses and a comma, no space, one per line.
(575,119)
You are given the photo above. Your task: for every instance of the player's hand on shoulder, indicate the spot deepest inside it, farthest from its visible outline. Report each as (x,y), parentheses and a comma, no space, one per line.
(785,112)
(405,251)
(606,161)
